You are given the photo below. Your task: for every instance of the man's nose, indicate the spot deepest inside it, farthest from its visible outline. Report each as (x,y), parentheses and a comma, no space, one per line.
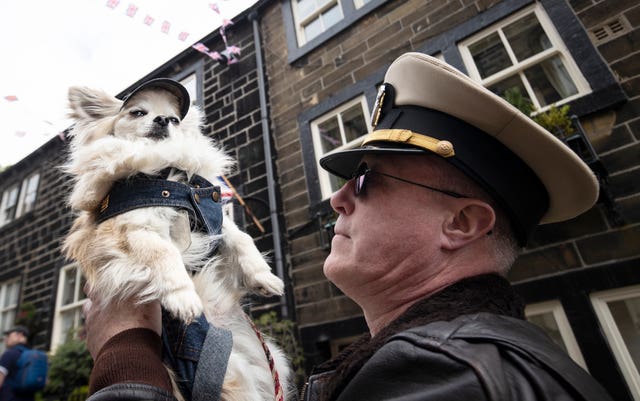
(161,120)
(343,200)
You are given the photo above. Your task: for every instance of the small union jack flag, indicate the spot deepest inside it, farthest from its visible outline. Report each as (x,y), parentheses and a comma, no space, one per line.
(201,48)
(215,55)
(11,98)
(148,20)
(132,10)
(214,7)
(183,36)
(166,25)
(233,49)
(113,3)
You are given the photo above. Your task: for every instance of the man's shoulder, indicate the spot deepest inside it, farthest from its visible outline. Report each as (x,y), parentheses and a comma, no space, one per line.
(489,343)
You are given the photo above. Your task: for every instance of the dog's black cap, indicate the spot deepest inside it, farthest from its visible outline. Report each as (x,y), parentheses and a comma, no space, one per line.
(171,86)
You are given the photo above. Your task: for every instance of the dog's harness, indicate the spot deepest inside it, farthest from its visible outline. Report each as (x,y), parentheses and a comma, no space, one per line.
(199,198)
(184,344)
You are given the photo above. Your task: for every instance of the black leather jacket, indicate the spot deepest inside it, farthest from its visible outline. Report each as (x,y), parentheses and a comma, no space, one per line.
(474,357)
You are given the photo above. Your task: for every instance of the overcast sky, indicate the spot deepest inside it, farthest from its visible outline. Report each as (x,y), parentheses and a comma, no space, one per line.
(47,46)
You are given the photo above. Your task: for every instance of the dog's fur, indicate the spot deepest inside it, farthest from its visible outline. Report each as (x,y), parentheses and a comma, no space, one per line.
(147,254)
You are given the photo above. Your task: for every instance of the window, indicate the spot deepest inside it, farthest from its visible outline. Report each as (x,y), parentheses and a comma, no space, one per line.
(550,317)
(315,16)
(9,204)
(340,129)
(619,314)
(9,294)
(68,316)
(360,3)
(524,56)
(19,199)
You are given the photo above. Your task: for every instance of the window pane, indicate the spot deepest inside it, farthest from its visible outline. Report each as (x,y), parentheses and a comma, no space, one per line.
(354,123)
(11,203)
(548,323)
(6,319)
(306,8)
(490,55)
(626,314)
(11,295)
(68,287)
(330,135)
(313,29)
(67,322)
(526,37)
(550,81)
(83,281)
(513,83)
(30,195)
(332,16)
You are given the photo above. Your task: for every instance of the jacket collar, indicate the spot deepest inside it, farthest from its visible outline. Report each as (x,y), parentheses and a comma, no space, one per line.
(489,293)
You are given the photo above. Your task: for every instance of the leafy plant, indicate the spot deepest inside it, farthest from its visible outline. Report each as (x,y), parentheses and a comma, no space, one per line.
(556,120)
(69,369)
(283,332)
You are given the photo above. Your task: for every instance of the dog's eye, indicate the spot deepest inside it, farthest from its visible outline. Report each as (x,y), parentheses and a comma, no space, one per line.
(174,120)
(138,113)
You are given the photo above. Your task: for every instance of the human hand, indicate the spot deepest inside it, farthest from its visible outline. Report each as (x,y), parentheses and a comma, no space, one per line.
(103,323)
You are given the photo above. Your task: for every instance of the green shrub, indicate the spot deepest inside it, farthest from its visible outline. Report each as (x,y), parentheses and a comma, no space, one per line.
(69,369)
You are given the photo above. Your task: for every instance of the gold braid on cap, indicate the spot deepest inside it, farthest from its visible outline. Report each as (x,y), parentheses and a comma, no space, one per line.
(437,146)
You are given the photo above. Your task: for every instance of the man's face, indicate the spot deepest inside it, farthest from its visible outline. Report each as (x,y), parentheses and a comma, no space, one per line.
(390,231)
(13,338)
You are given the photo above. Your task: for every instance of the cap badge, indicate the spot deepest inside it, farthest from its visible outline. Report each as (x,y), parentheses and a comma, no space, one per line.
(377,106)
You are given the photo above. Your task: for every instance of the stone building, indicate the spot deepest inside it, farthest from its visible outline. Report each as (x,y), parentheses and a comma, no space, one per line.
(580,278)
(304,85)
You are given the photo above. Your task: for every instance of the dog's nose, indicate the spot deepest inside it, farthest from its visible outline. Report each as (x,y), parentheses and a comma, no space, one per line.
(161,120)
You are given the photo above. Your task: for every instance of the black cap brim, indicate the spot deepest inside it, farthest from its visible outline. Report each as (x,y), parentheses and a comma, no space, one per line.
(171,86)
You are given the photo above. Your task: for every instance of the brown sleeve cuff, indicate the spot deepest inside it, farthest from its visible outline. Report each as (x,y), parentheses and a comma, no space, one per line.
(132,356)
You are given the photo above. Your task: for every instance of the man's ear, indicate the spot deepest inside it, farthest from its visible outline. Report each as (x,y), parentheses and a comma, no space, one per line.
(471,220)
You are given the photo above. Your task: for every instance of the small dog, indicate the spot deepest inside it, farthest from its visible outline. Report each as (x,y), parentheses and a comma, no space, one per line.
(148,253)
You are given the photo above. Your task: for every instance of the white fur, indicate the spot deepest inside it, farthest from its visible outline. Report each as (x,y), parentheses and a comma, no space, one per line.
(146,254)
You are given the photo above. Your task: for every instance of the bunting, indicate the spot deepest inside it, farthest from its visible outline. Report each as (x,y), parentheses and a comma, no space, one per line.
(230,55)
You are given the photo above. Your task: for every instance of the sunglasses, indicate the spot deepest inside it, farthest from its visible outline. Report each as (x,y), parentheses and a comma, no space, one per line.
(363,172)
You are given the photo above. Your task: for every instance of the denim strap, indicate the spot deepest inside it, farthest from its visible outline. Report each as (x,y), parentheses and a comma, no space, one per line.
(200,198)
(198,353)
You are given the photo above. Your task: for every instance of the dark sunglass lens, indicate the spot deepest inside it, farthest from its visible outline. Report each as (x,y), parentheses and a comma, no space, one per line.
(359,184)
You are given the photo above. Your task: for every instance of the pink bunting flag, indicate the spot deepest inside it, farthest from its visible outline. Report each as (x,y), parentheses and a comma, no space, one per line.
(233,49)
(215,55)
(20,134)
(11,98)
(148,20)
(113,3)
(183,36)
(226,23)
(201,48)
(132,10)
(166,25)
(214,7)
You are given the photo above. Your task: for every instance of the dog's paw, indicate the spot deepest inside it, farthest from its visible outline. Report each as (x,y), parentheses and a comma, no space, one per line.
(184,305)
(265,283)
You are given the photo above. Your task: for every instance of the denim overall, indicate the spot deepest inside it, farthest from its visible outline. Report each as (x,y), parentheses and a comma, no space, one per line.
(182,344)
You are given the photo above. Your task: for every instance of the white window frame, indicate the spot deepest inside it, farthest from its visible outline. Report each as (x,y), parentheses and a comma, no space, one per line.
(323,176)
(301,23)
(568,338)
(27,191)
(557,48)
(360,3)
(57,337)
(620,351)
(4,287)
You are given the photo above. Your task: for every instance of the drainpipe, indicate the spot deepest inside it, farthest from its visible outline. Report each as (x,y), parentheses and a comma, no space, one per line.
(271,185)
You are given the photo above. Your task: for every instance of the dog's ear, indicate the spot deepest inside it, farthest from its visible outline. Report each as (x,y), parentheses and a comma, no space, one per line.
(92,104)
